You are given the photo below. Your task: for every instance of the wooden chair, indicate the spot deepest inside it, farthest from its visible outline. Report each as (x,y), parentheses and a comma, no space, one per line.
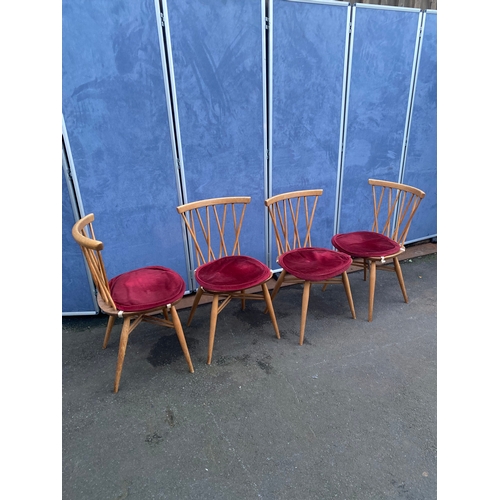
(136,296)
(394,206)
(292,216)
(214,226)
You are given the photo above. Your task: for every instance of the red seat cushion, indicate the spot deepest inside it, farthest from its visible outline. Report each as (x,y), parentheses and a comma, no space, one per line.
(314,264)
(146,288)
(232,273)
(365,244)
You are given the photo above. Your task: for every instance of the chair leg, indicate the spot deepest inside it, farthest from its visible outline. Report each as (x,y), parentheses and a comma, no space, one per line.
(213,324)
(371,296)
(364,269)
(277,288)
(347,288)
(399,273)
(270,308)
(243,301)
(121,351)
(278,284)
(180,336)
(305,303)
(197,298)
(111,322)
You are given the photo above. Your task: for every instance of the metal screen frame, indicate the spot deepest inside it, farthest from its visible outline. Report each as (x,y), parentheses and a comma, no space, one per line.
(343,108)
(72,184)
(409,107)
(175,136)
(181,127)
(414,92)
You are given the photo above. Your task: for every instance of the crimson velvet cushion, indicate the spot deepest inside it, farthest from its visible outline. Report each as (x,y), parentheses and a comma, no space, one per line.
(365,244)
(146,288)
(232,273)
(314,264)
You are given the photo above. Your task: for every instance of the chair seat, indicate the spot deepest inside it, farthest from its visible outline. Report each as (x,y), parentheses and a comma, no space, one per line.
(146,288)
(314,264)
(365,244)
(232,273)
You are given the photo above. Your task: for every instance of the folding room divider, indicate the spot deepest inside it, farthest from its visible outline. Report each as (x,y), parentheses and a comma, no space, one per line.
(167,102)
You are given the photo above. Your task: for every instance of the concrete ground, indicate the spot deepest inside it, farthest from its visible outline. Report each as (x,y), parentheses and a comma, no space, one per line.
(351,414)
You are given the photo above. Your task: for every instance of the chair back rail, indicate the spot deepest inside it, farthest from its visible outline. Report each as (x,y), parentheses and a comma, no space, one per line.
(83,233)
(394,206)
(292,216)
(214,226)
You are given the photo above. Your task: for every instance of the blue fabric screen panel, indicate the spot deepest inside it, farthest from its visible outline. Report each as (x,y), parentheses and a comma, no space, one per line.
(116,114)
(76,289)
(421,160)
(381,71)
(217,60)
(309,45)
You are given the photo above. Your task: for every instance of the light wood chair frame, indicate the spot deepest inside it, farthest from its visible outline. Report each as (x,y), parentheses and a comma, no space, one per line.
(200,218)
(401,202)
(83,233)
(287,211)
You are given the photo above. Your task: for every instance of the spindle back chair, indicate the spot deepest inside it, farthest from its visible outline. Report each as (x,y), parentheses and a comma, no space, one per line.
(214,226)
(292,216)
(135,296)
(394,207)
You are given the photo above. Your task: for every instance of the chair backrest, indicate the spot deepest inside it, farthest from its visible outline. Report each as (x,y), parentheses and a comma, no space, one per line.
(83,233)
(214,226)
(292,216)
(394,206)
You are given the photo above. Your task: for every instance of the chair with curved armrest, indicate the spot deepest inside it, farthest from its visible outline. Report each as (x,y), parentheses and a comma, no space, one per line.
(394,207)
(138,295)
(214,227)
(292,215)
